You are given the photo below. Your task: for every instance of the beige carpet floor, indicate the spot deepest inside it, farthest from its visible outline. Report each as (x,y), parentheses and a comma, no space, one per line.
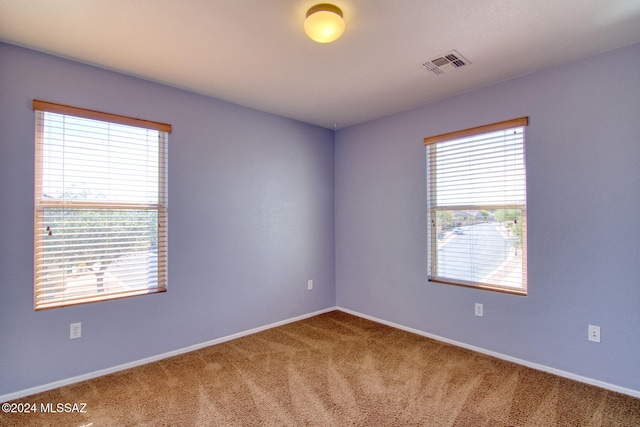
(333,370)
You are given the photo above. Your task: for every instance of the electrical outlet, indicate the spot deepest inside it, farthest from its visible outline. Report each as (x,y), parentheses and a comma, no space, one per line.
(479,310)
(594,333)
(309,284)
(75,330)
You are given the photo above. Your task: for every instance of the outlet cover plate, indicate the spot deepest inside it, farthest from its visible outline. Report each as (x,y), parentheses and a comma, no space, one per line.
(479,310)
(75,330)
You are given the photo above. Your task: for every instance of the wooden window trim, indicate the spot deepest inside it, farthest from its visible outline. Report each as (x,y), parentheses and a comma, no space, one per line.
(431,194)
(51,107)
(42,107)
(507,124)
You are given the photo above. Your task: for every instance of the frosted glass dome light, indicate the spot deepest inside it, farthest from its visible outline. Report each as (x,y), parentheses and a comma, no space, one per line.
(324,23)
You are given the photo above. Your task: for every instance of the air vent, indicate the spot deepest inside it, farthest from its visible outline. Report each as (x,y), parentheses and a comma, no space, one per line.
(445,63)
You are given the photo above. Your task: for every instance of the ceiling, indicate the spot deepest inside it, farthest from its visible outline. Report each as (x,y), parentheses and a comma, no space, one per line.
(255,52)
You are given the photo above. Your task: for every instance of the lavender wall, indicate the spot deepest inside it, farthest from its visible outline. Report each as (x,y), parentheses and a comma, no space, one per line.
(250,221)
(252,218)
(583,164)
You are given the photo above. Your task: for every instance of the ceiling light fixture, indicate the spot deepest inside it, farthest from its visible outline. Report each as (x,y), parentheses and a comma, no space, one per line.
(324,23)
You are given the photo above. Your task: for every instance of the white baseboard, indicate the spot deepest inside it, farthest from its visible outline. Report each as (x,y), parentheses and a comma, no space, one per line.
(76,379)
(561,373)
(101,372)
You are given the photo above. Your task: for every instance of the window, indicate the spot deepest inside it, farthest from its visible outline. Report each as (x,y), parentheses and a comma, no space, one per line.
(476,198)
(100,206)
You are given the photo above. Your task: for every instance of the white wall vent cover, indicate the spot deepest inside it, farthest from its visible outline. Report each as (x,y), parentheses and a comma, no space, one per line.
(445,63)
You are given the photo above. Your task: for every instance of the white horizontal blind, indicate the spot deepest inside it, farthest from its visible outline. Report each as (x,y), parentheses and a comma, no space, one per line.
(477,208)
(100,208)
